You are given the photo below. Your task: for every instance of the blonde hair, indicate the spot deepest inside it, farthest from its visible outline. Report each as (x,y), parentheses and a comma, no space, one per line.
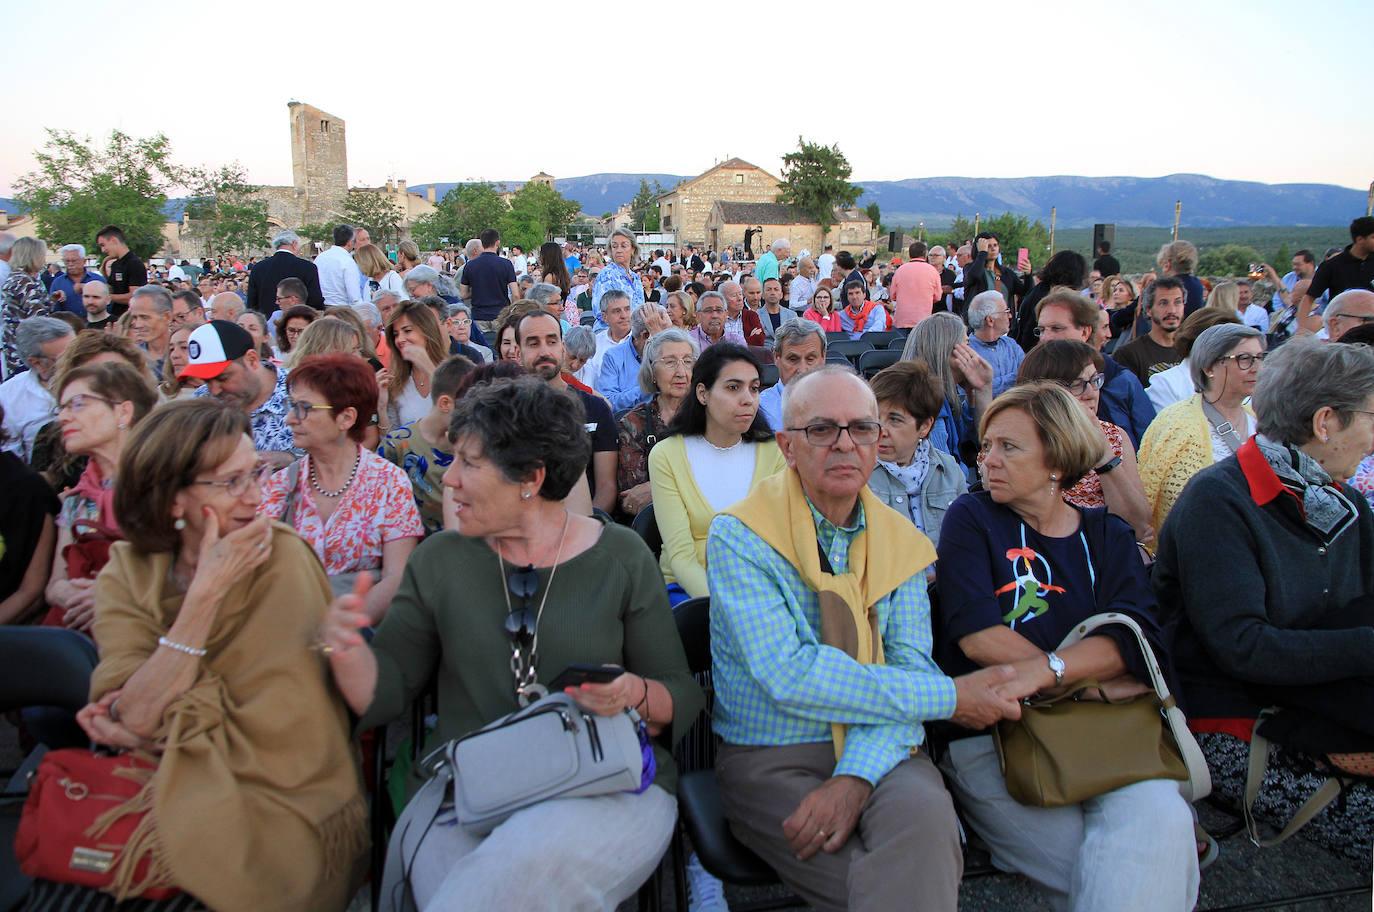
(372,261)
(1072,443)
(28,255)
(350,316)
(689,311)
(92,342)
(327,335)
(1225,297)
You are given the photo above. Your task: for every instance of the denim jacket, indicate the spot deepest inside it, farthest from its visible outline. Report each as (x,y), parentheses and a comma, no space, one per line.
(944,482)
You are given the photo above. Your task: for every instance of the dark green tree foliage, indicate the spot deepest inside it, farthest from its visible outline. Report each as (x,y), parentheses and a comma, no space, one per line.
(815,179)
(1013,232)
(874,214)
(1227,260)
(644,207)
(460,216)
(536,212)
(78,188)
(380,216)
(223,212)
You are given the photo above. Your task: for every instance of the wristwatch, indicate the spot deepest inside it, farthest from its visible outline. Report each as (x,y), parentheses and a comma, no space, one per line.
(1057,666)
(1108,465)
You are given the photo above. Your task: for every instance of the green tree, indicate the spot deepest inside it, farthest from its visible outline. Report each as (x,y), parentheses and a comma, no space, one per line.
(958,233)
(79,189)
(224,214)
(874,214)
(380,216)
(536,212)
(1282,260)
(815,179)
(1013,232)
(1227,260)
(463,213)
(644,207)
(318,232)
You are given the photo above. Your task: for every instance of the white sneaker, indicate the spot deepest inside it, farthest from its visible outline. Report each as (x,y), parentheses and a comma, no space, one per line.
(705,893)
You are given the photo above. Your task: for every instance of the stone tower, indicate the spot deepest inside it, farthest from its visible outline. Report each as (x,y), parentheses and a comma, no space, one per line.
(319,163)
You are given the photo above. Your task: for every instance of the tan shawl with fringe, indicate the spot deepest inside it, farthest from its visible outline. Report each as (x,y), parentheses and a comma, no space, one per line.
(884,555)
(256,803)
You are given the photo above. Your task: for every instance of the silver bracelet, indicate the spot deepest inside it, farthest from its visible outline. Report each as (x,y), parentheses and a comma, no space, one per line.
(180,647)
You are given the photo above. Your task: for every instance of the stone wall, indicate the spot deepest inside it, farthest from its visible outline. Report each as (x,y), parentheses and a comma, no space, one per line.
(686,209)
(319,162)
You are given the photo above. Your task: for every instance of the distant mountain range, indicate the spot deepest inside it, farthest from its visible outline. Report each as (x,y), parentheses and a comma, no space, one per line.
(1208,202)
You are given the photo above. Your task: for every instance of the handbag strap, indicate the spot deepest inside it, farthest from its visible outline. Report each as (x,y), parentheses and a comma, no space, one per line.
(293,481)
(1225,430)
(1110,618)
(1254,778)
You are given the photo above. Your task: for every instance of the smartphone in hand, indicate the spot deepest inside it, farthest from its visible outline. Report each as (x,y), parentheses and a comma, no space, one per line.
(1023,259)
(578,674)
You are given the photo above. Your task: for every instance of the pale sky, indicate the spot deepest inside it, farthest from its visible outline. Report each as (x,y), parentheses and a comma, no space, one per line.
(1253,90)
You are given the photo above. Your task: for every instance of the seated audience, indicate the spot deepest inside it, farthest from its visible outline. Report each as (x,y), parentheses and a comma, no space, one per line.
(989,322)
(205,617)
(1264,567)
(1176,383)
(860,315)
(293,322)
(822,310)
(98,405)
(681,309)
(1000,550)
(519,450)
(421,449)
(1114,481)
(1209,426)
(718,449)
(820,647)
(618,379)
(798,347)
(966,379)
(28,405)
(174,385)
(711,322)
(29,534)
(222,354)
(352,506)
(459,326)
(912,477)
(580,345)
(665,376)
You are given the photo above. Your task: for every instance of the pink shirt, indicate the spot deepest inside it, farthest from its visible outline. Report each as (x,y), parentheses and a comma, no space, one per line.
(915,288)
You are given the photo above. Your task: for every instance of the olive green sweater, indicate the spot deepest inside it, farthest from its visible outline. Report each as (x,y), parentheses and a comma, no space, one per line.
(608,605)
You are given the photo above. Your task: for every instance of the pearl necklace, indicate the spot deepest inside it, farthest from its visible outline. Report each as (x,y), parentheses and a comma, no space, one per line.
(314,482)
(721,449)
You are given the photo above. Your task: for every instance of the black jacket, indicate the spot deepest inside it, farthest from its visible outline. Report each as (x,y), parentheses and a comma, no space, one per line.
(265,274)
(976,282)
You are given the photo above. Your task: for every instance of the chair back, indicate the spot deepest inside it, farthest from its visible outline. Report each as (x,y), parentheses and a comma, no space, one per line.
(693,619)
(647,528)
(45,666)
(870,362)
(697,749)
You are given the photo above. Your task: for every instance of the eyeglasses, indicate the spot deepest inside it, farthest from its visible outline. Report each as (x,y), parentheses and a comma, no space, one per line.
(239,484)
(294,331)
(862,433)
(1041,330)
(711,310)
(461,321)
(1080,386)
(676,363)
(1363,318)
(522,583)
(1247,360)
(79,402)
(302,410)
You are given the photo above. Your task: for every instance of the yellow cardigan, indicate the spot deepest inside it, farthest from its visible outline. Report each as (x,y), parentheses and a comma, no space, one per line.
(683,515)
(1177,445)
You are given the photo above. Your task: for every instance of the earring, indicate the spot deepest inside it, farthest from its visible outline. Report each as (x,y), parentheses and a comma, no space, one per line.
(179,524)
(525,495)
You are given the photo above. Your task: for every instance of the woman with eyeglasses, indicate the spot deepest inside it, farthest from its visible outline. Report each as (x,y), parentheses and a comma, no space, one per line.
(665,374)
(208,613)
(460,330)
(352,506)
(1209,426)
(718,448)
(619,272)
(489,616)
(97,408)
(822,308)
(293,322)
(1114,482)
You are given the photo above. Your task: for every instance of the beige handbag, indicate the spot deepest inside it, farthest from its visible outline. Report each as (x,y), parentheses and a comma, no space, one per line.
(1064,750)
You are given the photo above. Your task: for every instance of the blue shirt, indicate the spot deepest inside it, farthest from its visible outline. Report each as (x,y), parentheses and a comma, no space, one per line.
(875,322)
(619,377)
(777,684)
(770,406)
(1005,356)
(271,433)
(63,283)
(617,277)
(1123,402)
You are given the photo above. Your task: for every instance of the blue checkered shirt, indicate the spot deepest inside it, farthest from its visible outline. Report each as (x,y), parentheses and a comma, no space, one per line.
(777,684)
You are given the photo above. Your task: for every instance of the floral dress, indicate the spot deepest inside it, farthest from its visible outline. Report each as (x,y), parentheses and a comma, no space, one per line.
(640,428)
(21,297)
(379,507)
(1088,491)
(1363,481)
(617,277)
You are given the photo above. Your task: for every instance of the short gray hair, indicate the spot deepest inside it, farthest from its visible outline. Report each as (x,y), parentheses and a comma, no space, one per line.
(420,274)
(629,236)
(580,343)
(653,350)
(6,241)
(711,294)
(795,332)
(543,294)
(722,288)
(472,248)
(75,248)
(382,293)
(1215,343)
(159,297)
(1305,375)
(370,314)
(36,332)
(790,392)
(780,244)
(937,249)
(612,294)
(983,305)
(459,308)
(284,239)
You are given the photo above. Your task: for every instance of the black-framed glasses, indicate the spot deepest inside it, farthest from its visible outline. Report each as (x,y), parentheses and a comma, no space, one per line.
(1247,360)
(302,410)
(522,583)
(1363,318)
(1081,385)
(825,433)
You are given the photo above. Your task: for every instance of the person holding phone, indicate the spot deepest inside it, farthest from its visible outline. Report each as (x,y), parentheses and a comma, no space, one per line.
(986,272)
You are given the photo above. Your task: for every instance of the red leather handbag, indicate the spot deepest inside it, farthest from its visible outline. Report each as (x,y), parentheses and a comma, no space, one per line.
(72,829)
(85,557)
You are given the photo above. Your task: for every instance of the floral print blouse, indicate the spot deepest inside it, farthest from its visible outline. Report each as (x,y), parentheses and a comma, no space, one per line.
(1088,491)
(21,297)
(617,277)
(640,428)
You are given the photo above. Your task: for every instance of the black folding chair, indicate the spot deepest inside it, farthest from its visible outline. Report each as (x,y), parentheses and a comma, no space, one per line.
(882,338)
(769,376)
(850,348)
(870,362)
(647,528)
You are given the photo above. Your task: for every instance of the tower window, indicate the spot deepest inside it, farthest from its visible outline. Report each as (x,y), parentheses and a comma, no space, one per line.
(739,178)
(324,126)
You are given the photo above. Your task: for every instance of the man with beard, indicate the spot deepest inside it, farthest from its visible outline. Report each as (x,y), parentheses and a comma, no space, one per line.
(222,354)
(540,337)
(1154,352)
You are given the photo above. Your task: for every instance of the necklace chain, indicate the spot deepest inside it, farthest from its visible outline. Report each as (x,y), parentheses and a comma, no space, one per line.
(525,667)
(319,489)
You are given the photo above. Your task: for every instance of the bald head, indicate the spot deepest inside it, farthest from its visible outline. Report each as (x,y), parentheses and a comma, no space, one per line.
(833,472)
(799,398)
(1349,309)
(226,305)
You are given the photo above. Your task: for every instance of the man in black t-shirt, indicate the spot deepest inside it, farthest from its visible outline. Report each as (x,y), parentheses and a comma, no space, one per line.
(540,336)
(1106,264)
(1149,354)
(488,281)
(1353,267)
(122,267)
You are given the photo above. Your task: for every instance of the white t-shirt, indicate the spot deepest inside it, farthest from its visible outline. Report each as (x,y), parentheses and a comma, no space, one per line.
(825,263)
(28,406)
(722,476)
(410,404)
(521,264)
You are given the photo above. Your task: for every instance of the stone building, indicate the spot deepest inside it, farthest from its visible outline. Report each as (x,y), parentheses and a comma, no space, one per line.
(686,207)
(727,222)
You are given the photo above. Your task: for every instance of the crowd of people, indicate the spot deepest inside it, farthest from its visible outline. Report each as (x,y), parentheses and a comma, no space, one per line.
(273,490)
